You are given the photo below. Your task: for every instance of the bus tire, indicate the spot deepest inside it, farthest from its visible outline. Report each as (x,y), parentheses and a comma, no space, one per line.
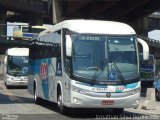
(62,109)
(157,94)
(118,111)
(37,100)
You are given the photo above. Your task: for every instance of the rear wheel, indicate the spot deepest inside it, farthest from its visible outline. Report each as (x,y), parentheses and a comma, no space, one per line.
(157,94)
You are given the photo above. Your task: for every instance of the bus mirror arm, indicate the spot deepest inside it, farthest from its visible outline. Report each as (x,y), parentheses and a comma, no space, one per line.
(145,49)
(68,45)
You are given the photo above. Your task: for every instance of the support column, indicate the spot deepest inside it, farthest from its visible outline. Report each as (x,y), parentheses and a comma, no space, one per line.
(3,27)
(3,23)
(56,11)
(142,26)
(145,26)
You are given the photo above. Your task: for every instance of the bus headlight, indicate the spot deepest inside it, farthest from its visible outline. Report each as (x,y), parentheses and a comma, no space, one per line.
(10,78)
(134,91)
(78,90)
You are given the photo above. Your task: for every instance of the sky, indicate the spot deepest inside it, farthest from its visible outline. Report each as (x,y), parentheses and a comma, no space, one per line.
(155,34)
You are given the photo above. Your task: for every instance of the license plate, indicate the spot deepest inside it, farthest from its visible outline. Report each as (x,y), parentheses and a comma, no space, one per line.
(107,102)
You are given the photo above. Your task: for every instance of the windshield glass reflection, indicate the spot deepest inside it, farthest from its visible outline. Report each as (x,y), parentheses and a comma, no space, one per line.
(97,53)
(17,65)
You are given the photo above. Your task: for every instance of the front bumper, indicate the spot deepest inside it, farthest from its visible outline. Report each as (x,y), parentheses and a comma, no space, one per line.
(83,101)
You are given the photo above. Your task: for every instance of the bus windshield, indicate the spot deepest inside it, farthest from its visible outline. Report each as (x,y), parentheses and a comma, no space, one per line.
(104,58)
(17,65)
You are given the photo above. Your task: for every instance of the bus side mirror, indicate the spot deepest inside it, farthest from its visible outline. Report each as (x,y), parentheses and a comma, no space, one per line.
(68,45)
(145,49)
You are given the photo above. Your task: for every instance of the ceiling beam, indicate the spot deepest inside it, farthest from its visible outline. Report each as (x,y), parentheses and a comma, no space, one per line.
(73,6)
(123,7)
(99,6)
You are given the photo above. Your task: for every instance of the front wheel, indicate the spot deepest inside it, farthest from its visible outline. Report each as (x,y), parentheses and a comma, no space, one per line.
(61,107)
(157,94)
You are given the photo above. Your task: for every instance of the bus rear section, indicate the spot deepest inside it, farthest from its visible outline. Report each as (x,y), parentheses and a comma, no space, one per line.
(147,68)
(16,67)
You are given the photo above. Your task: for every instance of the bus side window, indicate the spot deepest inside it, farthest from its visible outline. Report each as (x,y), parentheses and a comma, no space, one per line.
(57,51)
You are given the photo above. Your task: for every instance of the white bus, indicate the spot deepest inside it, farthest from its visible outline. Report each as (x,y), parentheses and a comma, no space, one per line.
(147,68)
(16,67)
(74,65)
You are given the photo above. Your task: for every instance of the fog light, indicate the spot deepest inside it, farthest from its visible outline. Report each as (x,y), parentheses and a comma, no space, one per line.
(137,101)
(75,100)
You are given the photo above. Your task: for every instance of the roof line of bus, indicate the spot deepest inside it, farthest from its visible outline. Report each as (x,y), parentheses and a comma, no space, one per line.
(67,24)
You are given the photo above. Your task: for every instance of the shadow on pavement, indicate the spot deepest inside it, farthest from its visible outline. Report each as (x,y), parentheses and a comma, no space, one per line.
(13,99)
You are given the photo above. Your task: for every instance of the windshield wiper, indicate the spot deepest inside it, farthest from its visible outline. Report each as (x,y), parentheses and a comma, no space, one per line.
(97,69)
(120,75)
